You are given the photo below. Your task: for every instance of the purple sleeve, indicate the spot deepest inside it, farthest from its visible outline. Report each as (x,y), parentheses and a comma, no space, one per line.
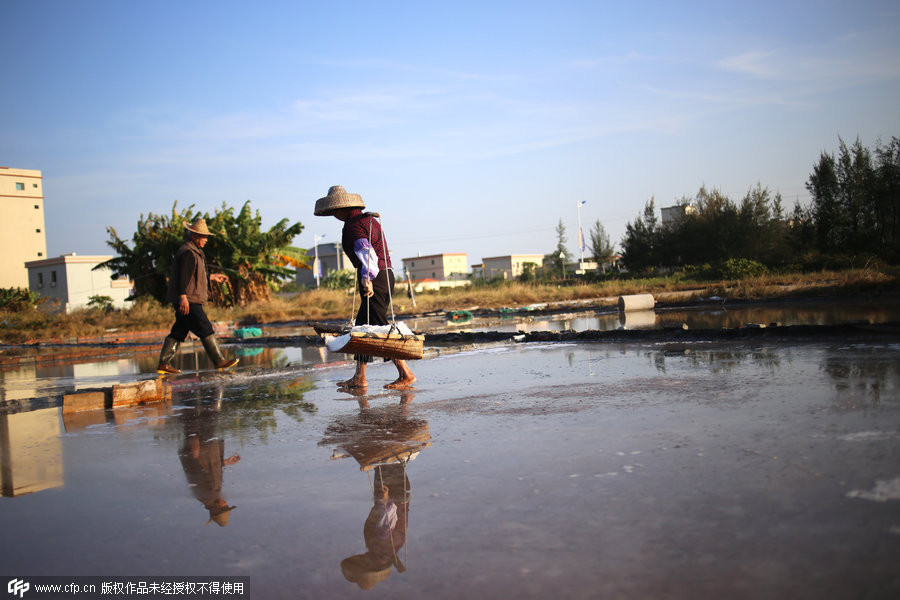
(367,258)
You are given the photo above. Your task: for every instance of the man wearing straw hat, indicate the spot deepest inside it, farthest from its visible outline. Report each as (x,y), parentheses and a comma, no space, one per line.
(203,460)
(363,241)
(188,292)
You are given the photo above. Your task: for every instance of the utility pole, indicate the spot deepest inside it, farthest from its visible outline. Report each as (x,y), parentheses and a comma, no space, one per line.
(580,235)
(409,286)
(316,266)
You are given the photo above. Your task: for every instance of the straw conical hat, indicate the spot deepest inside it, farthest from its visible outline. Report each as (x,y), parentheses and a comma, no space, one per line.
(337,198)
(198,226)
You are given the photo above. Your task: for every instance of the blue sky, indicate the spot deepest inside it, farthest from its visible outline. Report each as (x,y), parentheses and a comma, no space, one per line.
(471,126)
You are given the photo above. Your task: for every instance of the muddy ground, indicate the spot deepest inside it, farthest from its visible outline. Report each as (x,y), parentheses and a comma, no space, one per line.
(622,468)
(749,462)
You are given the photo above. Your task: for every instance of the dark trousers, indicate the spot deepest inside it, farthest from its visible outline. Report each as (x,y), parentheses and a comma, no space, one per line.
(195,322)
(374,310)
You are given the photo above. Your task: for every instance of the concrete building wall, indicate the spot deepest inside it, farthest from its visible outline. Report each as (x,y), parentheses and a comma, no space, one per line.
(22,234)
(509,267)
(331,258)
(672,215)
(446,266)
(72,280)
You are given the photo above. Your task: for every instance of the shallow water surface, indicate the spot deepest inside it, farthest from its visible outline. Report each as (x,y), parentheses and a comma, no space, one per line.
(576,471)
(708,315)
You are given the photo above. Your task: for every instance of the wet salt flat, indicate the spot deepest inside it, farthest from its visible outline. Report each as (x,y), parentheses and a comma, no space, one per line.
(574,471)
(708,314)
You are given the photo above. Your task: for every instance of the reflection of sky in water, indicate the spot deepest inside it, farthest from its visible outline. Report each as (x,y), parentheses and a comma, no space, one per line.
(542,470)
(711,317)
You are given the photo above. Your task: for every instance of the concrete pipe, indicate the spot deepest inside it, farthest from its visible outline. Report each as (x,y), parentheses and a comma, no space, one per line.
(636,302)
(637,319)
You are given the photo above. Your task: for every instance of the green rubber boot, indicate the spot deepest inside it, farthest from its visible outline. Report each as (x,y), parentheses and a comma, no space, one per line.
(169,349)
(215,355)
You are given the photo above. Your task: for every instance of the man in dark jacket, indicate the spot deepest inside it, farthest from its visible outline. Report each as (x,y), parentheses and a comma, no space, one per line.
(188,292)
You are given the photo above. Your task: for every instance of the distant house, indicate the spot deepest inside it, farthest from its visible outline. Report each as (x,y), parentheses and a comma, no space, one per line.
(72,280)
(442,267)
(331,258)
(510,266)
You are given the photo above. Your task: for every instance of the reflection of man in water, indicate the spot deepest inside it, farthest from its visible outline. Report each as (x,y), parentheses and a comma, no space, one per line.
(384,531)
(203,458)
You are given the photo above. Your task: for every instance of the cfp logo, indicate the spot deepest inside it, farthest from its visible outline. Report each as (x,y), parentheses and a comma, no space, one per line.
(18,587)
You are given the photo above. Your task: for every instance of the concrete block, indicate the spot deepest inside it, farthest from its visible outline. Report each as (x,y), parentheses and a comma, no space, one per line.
(124,394)
(79,401)
(140,392)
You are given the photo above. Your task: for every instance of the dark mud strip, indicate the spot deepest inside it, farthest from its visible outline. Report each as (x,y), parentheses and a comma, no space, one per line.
(781,334)
(791,334)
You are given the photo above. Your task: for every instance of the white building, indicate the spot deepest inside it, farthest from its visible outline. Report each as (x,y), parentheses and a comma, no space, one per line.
(442,267)
(22,234)
(72,280)
(509,266)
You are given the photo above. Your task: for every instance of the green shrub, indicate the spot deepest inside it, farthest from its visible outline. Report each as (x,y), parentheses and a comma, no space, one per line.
(343,279)
(18,299)
(741,268)
(102,302)
(702,272)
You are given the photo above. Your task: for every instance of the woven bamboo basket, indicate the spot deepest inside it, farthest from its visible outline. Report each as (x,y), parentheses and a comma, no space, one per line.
(393,345)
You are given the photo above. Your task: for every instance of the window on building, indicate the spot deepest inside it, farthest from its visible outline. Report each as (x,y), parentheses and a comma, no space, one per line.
(52,278)
(432,261)
(34,185)
(40,253)
(20,186)
(38,206)
(37,230)
(40,280)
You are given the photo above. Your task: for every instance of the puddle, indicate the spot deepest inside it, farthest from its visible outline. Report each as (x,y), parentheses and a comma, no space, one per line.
(710,316)
(540,470)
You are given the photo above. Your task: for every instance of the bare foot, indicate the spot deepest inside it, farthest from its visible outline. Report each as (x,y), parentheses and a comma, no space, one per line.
(401,382)
(354,382)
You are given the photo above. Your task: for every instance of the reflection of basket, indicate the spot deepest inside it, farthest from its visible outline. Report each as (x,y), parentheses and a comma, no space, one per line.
(391,345)
(382,450)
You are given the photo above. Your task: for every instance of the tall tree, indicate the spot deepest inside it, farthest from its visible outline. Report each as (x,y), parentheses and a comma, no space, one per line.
(561,256)
(639,246)
(251,258)
(761,227)
(825,210)
(601,247)
(887,198)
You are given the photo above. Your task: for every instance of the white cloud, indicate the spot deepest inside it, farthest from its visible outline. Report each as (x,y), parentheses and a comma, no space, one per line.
(758,64)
